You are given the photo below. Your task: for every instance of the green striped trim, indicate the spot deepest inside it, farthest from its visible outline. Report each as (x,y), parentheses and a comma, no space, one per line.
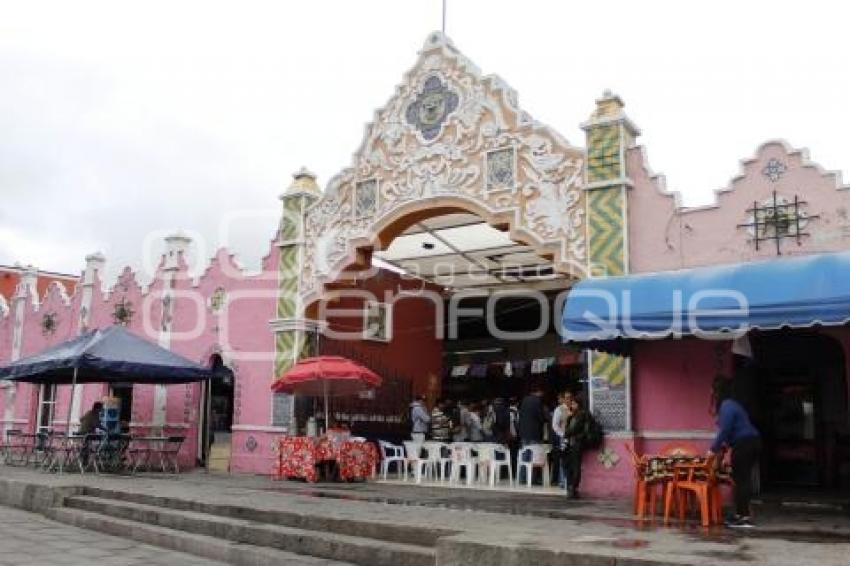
(610,367)
(606,231)
(603,153)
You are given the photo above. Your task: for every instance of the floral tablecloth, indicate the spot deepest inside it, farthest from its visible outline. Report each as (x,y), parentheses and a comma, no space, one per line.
(298,457)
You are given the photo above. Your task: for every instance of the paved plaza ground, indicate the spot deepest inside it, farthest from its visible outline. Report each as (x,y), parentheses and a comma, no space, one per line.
(472,523)
(28,539)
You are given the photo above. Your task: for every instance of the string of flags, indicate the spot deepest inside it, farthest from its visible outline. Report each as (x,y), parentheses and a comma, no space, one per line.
(514,368)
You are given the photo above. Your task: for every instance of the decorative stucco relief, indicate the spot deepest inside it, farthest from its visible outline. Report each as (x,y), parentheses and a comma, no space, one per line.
(449,135)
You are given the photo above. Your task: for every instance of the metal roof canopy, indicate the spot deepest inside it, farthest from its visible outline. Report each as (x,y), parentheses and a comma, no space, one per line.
(460,251)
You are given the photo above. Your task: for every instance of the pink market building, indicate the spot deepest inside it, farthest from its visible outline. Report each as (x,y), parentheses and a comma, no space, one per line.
(470,205)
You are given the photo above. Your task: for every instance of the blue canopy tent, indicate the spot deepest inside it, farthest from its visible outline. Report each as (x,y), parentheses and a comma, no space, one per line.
(108,355)
(726,300)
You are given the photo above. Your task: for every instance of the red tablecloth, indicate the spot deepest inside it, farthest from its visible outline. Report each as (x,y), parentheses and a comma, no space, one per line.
(299,455)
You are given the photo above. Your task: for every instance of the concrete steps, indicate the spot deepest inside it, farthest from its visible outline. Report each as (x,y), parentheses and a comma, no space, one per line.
(199,545)
(362,527)
(241,540)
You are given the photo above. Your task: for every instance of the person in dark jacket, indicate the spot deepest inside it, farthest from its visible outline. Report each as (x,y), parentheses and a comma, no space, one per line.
(502,422)
(575,429)
(532,418)
(735,431)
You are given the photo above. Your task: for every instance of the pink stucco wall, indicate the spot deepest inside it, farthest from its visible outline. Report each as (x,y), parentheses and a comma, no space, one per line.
(244,340)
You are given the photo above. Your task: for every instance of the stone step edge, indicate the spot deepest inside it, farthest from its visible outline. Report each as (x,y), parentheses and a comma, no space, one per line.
(189,543)
(328,545)
(363,528)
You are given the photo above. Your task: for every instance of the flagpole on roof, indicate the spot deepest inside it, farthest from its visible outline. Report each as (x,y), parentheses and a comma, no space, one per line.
(444,17)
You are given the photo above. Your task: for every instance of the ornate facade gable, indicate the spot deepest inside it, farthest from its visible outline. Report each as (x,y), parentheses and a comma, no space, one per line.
(449,138)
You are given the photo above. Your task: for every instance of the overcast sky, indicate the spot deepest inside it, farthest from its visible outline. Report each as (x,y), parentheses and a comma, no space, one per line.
(122,121)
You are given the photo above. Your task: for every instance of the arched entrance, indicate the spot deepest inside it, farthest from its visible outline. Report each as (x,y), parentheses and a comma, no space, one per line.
(440,295)
(797,393)
(217,414)
(452,142)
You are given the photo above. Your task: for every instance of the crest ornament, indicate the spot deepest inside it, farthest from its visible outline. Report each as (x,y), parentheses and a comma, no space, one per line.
(774,170)
(217,299)
(431,108)
(123,312)
(48,323)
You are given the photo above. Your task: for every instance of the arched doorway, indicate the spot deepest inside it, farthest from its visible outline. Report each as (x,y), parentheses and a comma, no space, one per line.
(796,389)
(476,278)
(217,414)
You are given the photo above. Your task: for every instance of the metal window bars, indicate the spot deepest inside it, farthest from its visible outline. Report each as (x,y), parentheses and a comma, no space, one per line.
(776,221)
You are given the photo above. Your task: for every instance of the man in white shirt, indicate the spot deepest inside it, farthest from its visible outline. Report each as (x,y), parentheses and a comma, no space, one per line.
(559,421)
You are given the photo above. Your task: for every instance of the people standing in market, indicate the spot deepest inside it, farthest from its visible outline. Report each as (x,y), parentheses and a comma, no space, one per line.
(532,420)
(736,432)
(513,415)
(441,423)
(462,425)
(501,422)
(476,431)
(420,420)
(575,429)
(559,423)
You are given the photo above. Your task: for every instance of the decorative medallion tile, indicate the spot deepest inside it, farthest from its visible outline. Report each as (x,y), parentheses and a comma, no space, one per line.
(429,110)
(500,169)
(608,457)
(774,170)
(48,323)
(367,198)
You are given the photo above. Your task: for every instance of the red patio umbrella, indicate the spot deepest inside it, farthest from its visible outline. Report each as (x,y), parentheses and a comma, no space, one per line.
(327,376)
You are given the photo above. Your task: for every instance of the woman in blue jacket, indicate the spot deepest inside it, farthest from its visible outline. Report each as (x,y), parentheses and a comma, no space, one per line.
(735,431)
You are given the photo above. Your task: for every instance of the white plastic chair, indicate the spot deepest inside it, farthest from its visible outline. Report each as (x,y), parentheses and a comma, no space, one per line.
(492,459)
(392,454)
(484,452)
(414,457)
(463,459)
(439,458)
(538,457)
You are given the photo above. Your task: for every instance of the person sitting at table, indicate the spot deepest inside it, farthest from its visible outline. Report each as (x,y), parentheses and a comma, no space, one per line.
(90,422)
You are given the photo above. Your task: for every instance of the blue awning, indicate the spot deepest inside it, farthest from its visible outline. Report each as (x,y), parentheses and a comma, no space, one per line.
(108,355)
(794,292)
